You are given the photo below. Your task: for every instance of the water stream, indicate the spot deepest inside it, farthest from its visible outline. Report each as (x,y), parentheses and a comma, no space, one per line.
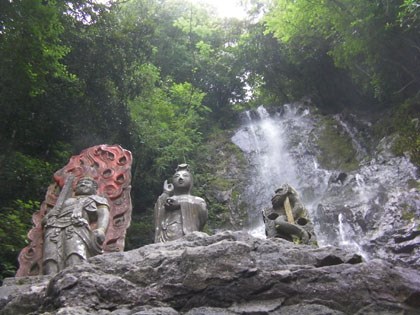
(278,150)
(349,211)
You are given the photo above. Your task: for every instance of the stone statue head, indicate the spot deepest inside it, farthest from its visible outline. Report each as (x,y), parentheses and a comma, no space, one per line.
(182,179)
(280,196)
(86,186)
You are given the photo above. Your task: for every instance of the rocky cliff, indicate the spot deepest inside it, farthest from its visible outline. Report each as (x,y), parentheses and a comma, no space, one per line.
(227,273)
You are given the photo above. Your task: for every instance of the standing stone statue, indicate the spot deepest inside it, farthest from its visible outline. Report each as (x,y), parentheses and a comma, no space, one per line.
(177,212)
(69,237)
(288,218)
(64,213)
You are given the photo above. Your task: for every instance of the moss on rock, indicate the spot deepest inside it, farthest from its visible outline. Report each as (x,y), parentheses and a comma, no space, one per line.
(335,147)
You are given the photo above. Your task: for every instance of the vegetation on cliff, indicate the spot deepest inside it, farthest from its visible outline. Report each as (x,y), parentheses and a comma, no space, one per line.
(163,78)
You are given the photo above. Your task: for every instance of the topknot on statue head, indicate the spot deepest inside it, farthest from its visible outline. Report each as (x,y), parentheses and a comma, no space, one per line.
(183,167)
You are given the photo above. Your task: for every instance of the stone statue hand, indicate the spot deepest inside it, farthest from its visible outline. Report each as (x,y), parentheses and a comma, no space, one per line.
(168,188)
(99,235)
(172,204)
(77,213)
(77,217)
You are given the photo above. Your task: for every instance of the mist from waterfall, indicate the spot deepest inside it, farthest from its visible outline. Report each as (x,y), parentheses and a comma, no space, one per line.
(356,210)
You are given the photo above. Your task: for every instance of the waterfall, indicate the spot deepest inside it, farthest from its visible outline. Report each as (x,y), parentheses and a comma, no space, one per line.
(277,150)
(357,210)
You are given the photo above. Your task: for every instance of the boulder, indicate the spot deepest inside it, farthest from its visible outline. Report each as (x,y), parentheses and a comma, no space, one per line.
(226,273)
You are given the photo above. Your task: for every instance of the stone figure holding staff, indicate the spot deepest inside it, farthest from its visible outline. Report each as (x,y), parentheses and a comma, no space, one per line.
(288,218)
(74,229)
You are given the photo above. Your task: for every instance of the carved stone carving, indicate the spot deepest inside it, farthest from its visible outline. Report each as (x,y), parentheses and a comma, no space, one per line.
(75,228)
(110,167)
(177,212)
(288,217)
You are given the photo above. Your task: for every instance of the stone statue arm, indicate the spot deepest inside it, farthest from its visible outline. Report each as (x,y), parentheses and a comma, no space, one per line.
(102,223)
(159,211)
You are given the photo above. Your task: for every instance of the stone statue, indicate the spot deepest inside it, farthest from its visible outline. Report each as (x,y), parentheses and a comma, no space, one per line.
(177,212)
(288,218)
(75,228)
(110,167)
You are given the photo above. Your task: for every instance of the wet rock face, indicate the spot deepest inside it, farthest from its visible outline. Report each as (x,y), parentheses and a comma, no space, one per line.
(372,209)
(363,199)
(227,273)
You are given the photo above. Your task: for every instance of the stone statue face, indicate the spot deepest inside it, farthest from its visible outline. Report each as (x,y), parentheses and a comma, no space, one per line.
(182,180)
(283,190)
(85,186)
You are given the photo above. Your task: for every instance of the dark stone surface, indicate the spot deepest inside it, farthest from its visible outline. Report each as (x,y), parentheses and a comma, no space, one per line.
(227,273)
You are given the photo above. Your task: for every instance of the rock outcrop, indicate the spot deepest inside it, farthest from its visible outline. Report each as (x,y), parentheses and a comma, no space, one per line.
(227,273)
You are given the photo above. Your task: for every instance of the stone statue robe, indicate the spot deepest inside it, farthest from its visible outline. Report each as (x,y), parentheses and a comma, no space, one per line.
(67,235)
(172,224)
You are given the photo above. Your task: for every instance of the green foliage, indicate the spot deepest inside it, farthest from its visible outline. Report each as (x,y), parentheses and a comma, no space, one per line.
(167,123)
(31,54)
(193,45)
(31,46)
(106,56)
(15,223)
(282,72)
(409,14)
(141,230)
(366,38)
(166,120)
(23,184)
(24,176)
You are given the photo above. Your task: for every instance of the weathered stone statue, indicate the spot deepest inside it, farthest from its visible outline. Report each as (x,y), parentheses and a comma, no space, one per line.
(288,218)
(177,212)
(68,236)
(60,235)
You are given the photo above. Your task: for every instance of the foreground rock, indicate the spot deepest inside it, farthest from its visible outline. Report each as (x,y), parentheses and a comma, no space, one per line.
(227,273)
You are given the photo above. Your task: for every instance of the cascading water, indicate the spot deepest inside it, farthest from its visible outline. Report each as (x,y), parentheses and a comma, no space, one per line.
(346,240)
(357,210)
(277,150)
